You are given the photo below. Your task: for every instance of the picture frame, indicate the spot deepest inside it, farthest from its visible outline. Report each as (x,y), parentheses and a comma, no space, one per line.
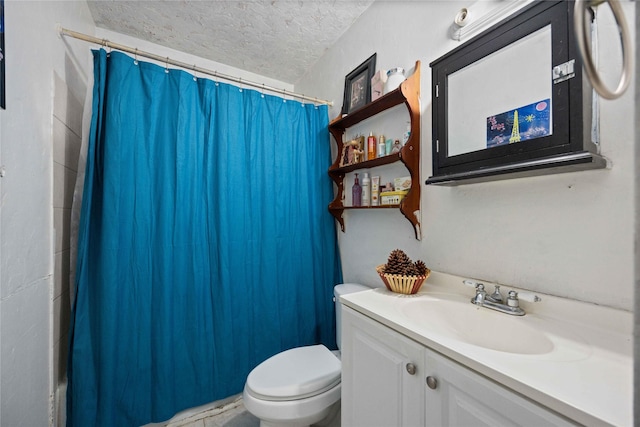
(357,86)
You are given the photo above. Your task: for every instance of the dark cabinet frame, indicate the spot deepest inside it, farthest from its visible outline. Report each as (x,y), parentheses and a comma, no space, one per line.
(568,148)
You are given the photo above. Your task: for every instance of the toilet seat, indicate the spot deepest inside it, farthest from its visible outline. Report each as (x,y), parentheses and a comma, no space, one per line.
(295,374)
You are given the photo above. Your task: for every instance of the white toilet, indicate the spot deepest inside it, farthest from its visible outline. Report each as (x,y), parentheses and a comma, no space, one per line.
(301,386)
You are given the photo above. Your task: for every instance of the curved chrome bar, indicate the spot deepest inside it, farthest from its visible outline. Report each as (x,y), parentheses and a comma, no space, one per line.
(584,46)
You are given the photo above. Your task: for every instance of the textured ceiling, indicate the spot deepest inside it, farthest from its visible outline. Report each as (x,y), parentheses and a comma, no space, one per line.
(281,39)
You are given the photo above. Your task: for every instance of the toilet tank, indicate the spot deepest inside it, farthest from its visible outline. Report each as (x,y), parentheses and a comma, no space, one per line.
(344,289)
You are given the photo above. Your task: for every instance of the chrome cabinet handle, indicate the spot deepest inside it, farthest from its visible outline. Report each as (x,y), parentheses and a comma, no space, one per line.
(411,368)
(584,47)
(432,382)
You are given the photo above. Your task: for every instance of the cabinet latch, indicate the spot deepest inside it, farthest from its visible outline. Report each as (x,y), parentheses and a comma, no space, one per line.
(564,71)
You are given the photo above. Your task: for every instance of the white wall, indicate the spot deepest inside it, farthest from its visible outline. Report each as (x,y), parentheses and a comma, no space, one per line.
(67,140)
(35,55)
(568,235)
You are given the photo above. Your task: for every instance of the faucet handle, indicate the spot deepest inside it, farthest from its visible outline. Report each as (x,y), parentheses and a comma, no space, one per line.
(515,297)
(473,284)
(512,299)
(479,287)
(529,297)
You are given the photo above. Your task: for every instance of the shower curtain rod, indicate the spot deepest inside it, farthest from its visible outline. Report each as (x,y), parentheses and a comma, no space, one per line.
(165,59)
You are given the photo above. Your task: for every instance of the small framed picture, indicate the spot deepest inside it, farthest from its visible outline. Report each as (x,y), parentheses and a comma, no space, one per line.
(357,86)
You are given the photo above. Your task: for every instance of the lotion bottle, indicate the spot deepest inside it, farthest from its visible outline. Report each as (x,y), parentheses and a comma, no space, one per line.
(375,191)
(366,190)
(356,193)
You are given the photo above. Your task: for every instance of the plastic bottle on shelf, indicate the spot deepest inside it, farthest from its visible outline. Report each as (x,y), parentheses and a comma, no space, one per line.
(407,134)
(371,147)
(395,76)
(381,146)
(356,193)
(375,191)
(366,190)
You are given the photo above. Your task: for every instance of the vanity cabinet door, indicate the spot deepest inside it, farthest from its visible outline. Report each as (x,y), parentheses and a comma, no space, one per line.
(462,397)
(382,375)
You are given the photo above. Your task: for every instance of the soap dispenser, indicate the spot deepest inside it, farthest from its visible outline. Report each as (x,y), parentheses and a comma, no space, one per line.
(356,193)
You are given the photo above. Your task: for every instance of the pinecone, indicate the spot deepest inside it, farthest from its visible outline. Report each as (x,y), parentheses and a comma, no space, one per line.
(412,270)
(421,268)
(398,263)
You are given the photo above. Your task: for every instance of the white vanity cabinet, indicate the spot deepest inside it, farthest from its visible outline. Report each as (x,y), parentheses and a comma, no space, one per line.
(391,380)
(382,375)
(462,397)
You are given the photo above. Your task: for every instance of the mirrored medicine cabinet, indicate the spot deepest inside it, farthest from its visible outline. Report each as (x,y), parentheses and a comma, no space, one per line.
(511,102)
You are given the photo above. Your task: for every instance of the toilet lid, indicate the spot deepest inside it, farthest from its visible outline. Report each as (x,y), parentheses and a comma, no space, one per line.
(295,374)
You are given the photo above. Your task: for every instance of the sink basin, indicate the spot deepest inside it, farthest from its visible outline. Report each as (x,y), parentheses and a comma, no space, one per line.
(482,327)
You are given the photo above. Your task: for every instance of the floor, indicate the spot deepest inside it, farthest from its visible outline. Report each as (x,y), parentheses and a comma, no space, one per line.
(232,414)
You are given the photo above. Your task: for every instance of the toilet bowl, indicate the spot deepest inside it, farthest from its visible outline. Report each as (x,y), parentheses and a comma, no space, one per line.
(300,386)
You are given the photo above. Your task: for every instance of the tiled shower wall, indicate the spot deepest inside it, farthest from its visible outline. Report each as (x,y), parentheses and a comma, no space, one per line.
(67,137)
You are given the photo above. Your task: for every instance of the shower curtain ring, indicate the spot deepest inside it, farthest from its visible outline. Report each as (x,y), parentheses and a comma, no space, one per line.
(166,66)
(105,43)
(135,57)
(195,73)
(262,94)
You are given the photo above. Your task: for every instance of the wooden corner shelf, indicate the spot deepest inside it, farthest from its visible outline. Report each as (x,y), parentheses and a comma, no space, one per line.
(408,94)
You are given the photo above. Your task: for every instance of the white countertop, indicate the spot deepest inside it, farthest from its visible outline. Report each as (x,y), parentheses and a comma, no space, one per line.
(587,376)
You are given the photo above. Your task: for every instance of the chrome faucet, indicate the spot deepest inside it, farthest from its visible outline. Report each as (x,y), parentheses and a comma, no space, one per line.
(496,301)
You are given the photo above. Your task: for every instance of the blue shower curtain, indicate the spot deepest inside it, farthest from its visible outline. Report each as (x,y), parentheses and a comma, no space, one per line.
(205,244)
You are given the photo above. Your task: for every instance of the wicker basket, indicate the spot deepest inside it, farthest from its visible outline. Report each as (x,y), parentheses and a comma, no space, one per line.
(402,284)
